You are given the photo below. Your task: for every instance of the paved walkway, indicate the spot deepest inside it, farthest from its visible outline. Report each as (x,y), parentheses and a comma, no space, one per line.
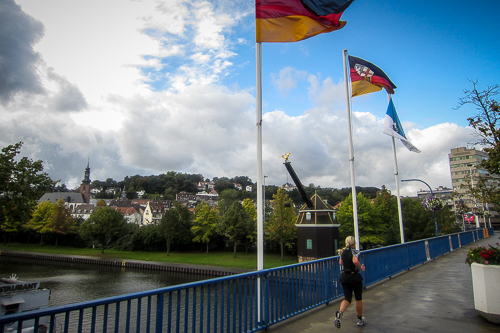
(434,297)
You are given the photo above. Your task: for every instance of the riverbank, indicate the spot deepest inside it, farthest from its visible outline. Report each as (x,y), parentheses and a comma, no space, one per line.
(150,265)
(246,261)
(220,263)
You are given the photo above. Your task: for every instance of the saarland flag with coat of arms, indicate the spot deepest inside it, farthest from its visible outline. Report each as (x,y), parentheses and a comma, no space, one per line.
(367,78)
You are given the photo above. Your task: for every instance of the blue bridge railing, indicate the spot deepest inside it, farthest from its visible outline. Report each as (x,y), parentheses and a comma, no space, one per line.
(241,303)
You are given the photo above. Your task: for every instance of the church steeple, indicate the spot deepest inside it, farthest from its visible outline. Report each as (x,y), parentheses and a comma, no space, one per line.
(86,179)
(85,186)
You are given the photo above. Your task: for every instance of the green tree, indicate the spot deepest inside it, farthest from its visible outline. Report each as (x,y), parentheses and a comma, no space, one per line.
(418,223)
(226,199)
(62,222)
(125,241)
(175,225)
(100,203)
(386,214)
(251,225)
(280,227)
(205,223)
(148,238)
(103,226)
(222,184)
(447,222)
(10,226)
(131,193)
(22,183)
(371,233)
(41,218)
(486,123)
(234,223)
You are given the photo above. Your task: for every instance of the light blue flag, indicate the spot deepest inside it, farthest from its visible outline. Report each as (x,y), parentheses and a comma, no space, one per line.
(392,127)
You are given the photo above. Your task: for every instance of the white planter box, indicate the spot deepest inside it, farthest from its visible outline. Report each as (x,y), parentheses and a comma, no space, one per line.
(486,286)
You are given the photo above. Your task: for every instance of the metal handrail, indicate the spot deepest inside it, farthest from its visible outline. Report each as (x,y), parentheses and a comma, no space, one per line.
(229,304)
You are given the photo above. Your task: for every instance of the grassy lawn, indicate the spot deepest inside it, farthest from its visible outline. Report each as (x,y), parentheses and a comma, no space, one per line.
(224,259)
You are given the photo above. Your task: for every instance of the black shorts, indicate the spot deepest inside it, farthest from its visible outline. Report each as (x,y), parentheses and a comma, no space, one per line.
(352,283)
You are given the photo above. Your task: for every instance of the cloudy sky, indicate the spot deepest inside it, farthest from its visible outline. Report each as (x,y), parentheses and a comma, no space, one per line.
(146,87)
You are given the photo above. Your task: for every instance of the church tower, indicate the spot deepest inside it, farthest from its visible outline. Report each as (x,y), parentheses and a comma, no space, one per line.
(85,186)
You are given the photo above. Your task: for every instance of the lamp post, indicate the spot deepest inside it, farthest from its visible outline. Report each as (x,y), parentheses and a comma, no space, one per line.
(476,218)
(432,194)
(264,204)
(461,203)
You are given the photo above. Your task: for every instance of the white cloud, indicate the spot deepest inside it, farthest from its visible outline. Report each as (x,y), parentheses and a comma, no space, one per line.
(137,88)
(168,17)
(287,79)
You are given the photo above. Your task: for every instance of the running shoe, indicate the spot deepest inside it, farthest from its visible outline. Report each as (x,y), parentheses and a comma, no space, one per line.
(338,319)
(361,321)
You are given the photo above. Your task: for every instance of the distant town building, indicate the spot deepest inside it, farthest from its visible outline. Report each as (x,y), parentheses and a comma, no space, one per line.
(204,196)
(289,187)
(184,196)
(71,199)
(83,211)
(153,213)
(205,186)
(464,171)
(112,190)
(131,214)
(95,190)
(141,202)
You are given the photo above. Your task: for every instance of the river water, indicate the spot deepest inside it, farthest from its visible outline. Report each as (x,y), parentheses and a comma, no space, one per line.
(73,283)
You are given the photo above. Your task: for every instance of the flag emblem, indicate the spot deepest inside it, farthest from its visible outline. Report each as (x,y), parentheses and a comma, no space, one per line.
(364,71)
(396,129)
(367,77)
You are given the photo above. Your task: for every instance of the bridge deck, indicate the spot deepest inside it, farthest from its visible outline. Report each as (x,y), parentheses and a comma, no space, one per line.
(434,297)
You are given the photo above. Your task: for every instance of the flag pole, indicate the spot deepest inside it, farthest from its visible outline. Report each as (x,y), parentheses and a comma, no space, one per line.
(260,207)
(351,150)
(396,176)
(260,211)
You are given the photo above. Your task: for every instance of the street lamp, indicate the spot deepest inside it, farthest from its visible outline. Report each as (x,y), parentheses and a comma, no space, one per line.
(264,198)
(432,194)
(460,211)
(476,218)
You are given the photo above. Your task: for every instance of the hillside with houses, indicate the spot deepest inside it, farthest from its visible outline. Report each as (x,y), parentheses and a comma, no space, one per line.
(137,207)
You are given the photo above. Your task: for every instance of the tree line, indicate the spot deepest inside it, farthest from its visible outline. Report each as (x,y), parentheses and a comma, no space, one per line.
(229,225)
(23,182)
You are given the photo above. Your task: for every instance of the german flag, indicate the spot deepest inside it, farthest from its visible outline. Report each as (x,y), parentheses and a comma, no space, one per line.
(281,21)
(367,78)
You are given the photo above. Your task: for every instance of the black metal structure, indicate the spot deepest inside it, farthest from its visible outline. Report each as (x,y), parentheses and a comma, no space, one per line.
(317,230)
(299,185)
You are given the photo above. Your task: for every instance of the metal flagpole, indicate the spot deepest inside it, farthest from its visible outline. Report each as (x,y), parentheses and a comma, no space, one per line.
(351,149)
(396,176)
(260,210)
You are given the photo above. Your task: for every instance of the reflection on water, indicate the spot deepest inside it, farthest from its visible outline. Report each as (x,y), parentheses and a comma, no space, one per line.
(73,283)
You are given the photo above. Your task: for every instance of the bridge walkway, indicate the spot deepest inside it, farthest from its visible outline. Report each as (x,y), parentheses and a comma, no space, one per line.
(434,297)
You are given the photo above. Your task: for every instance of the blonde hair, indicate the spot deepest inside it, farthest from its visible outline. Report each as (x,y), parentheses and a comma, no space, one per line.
(349,242)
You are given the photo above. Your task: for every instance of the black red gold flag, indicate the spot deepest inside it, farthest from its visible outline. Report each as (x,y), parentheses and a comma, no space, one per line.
(281,21)
(367,78)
